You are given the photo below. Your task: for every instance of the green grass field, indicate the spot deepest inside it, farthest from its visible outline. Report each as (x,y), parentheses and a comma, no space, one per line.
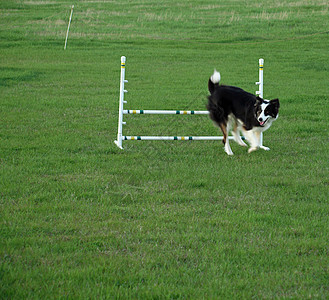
(80,218)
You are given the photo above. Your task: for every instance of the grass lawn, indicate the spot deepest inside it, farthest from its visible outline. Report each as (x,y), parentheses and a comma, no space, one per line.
(80,218)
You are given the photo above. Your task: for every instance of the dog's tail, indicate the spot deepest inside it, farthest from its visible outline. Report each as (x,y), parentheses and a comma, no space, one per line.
(213,81)
(214,106)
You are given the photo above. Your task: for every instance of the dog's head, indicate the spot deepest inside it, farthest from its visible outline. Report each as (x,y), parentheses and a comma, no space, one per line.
(266,110)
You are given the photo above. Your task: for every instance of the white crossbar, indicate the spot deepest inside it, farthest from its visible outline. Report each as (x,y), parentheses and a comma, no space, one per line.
(166,112)
(174,138)
(121,137)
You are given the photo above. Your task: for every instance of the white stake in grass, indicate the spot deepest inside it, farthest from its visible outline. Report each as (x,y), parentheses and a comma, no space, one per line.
(68,27)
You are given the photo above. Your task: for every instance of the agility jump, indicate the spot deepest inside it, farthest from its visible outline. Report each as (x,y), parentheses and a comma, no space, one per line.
(121,137)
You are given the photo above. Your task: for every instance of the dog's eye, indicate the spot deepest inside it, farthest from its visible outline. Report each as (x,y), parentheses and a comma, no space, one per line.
(268,111)
(259,110)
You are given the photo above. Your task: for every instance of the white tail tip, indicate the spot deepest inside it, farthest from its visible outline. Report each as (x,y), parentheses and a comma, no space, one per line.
(215,78)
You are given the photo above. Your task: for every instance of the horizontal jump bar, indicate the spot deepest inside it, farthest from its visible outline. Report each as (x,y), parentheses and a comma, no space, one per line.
(175,138)
(166,112)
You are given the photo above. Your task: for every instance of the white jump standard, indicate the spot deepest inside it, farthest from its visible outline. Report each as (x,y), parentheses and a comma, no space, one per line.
(260,91)
(121,137)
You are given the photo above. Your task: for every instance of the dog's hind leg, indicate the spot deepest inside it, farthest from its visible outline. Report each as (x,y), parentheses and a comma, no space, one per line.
(226,142)
(236,135)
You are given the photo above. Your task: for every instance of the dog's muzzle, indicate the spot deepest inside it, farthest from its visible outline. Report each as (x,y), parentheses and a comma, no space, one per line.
(262,122)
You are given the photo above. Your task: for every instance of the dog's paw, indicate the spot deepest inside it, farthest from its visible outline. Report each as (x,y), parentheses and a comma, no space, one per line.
(252,149)
(264,148)
(242,143)
(229,152)
(228,149)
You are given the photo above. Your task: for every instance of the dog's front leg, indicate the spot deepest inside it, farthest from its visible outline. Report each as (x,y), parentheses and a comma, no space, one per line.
(252,139)
(258,143)
(237,137)
(255,145)
(261,142)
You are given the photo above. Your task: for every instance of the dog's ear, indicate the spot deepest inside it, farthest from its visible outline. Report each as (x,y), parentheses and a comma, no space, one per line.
(276,103)
(259,101)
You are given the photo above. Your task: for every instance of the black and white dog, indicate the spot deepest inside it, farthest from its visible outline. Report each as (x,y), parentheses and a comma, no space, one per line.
(232,108)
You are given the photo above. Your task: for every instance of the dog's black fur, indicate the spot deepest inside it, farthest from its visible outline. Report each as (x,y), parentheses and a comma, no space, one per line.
(225,100)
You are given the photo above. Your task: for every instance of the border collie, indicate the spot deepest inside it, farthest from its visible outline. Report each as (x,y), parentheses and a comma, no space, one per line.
(232,108)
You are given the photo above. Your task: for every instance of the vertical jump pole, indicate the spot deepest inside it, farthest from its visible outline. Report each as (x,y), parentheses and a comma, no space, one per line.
(118,142)
(68,27)
(261,88)
(260,82)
